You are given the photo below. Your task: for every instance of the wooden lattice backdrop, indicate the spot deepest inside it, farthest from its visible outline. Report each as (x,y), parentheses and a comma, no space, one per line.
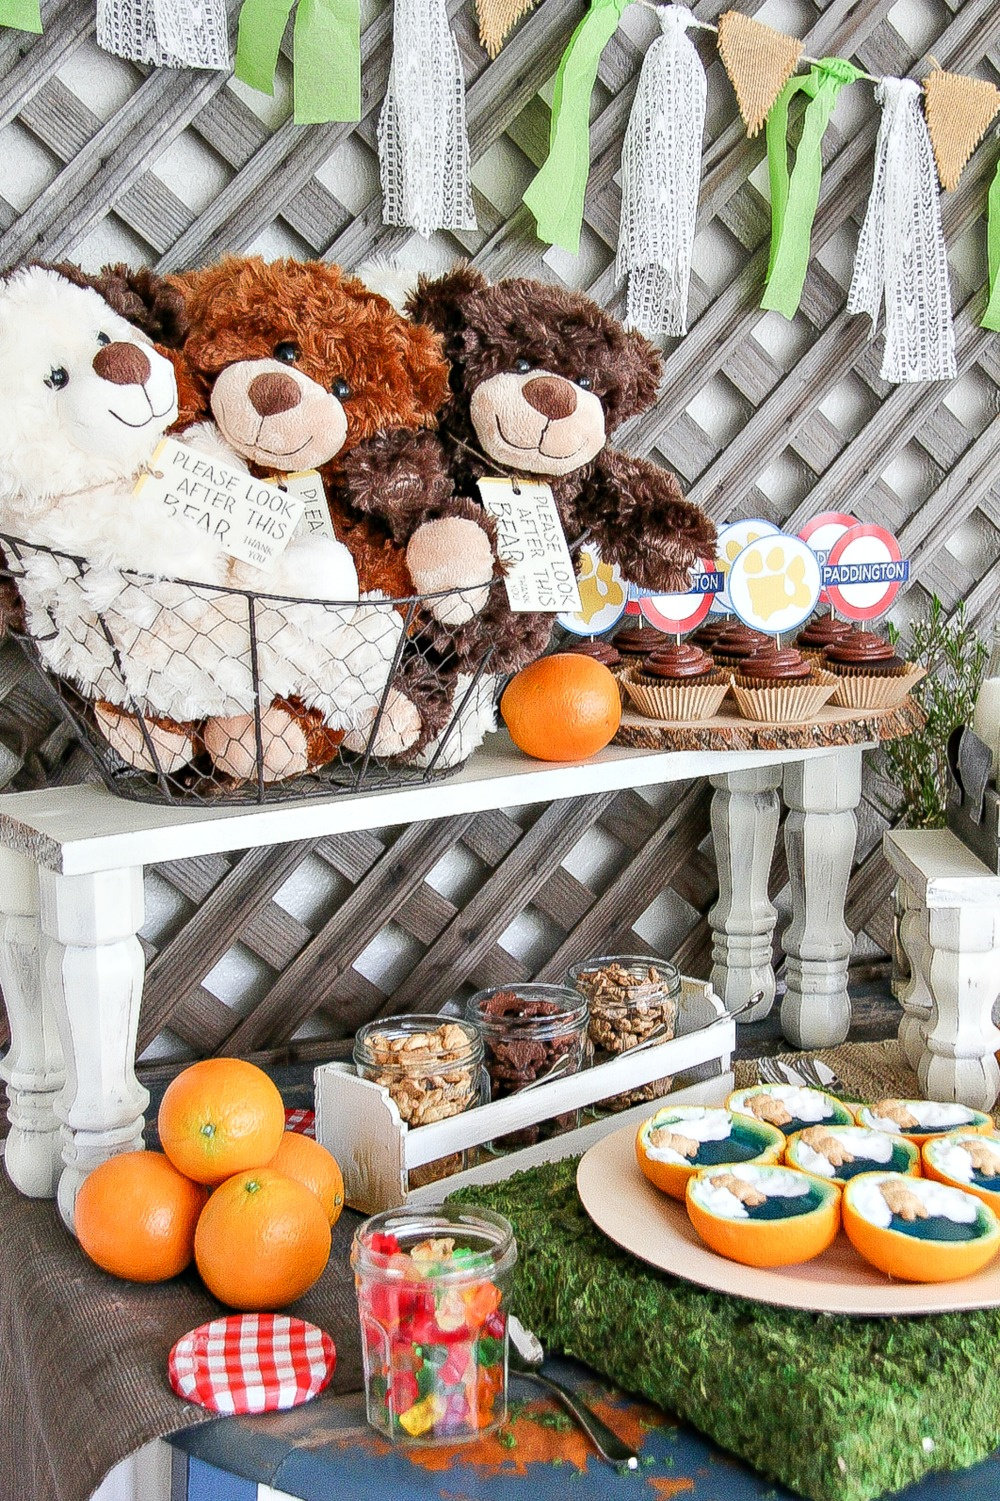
(758,417)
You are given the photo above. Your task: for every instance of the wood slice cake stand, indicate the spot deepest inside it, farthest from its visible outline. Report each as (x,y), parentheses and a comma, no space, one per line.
(728,731)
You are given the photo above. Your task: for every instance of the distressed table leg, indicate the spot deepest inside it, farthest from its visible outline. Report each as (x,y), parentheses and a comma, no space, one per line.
(820,836)
(745,810)
(960,1039)
(33,1068)
(914,995)
(92,968)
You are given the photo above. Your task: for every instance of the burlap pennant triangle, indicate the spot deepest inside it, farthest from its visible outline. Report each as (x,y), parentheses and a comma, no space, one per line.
(497,19)
(959,111)
(759,61)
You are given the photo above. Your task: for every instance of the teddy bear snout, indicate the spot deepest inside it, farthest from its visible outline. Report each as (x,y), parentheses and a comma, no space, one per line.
(122,364)
(551,395)
(273,393)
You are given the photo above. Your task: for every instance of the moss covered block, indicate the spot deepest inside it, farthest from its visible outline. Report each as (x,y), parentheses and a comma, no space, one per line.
(838,1409)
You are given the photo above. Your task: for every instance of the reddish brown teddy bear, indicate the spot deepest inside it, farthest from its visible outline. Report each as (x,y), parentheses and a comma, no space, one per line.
(298,366)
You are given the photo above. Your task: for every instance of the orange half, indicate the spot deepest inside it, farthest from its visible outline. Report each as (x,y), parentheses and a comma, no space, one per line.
(782,1241)
(976,1122)
(754,1141)
(903,1157)
(939,1164)
(914,1258)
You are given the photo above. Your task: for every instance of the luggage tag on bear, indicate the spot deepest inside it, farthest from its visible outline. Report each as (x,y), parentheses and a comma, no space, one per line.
(530,540)
(308,485)
(247,518)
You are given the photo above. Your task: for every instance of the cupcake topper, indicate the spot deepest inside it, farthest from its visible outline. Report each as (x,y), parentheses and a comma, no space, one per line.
(865,569)
(821,533)
(679,613)
(732,540)
(774,583)
(603,595)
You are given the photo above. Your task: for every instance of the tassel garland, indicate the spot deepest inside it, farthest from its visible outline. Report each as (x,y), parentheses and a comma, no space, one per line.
(166,33)
(661,174)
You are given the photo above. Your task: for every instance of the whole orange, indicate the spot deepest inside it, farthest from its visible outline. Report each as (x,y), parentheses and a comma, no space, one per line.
(262,1240)
(136,1216)
(309,1163)
(562,708)
(218,1117)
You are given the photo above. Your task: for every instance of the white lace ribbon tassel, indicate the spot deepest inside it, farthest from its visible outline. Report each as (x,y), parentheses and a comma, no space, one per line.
(661,175)
(902,262)
(166,33)
(422,141)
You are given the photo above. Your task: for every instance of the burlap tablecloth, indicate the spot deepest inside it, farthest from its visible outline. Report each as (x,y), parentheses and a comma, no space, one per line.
(83,1356)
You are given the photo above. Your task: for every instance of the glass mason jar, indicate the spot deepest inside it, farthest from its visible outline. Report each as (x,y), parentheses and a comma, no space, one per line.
(632,998)
(432,1067)
(530,1033)
(432,1286)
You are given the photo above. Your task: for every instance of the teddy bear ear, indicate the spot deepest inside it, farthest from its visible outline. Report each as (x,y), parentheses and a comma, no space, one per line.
(427,369)
(145,300)
(441,300)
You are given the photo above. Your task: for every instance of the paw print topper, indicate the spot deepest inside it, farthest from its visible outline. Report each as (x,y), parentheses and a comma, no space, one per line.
(732,540)
(604,592)
(774,583)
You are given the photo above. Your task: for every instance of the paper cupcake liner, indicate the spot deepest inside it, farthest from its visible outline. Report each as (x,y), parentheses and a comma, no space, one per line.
(860,691)
(677,702)
(790,703)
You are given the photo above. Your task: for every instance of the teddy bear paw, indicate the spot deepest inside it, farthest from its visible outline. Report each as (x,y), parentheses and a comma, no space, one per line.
(232,744)
(451,554)
(168,748)
(398,729)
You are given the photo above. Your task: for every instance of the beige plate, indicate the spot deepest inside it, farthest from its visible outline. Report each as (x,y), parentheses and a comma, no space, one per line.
(654,1227)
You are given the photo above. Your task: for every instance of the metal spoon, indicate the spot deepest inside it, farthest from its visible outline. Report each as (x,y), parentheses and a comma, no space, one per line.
(525,1355)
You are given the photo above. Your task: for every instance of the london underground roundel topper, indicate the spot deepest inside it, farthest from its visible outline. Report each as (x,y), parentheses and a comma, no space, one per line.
(864,572)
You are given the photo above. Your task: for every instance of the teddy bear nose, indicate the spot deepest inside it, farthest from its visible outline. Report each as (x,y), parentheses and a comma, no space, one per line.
(550,395)
(273,393)
(122,364)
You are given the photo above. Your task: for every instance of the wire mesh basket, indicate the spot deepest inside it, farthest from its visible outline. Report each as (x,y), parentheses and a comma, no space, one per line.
(183,692)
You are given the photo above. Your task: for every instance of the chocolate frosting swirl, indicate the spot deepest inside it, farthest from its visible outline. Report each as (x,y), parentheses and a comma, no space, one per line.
(600,651)
(683,660)
(639,640)
(739,641)
(772,665)
(823,631)
(864,649)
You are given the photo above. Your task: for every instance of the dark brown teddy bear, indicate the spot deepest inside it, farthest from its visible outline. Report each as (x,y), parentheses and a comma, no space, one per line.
(540,377)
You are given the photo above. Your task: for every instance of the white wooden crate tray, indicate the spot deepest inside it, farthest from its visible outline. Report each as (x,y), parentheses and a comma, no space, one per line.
(359,1123)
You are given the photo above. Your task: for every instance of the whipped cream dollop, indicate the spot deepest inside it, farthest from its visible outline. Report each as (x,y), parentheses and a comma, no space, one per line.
(937,1198)
(930,1115)
(873,1146)
(699,1124)
(773,1184)
(952,1156)
(802,1104)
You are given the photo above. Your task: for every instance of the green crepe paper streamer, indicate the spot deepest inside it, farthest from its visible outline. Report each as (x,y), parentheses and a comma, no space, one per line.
(555,197)
(991,317)
(327,55)
(794,200)
(23,15)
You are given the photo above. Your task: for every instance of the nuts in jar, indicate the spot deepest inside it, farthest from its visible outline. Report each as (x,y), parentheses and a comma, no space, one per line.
(531,1032)
(431,1068)
(632,999)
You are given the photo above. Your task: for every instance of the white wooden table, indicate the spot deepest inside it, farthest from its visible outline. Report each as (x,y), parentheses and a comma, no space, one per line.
(949,905)
(71,905)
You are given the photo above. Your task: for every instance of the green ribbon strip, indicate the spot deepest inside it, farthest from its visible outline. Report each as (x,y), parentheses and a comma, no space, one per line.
(794,198)
(556,194)
(23,15)
(326,55)
(991,317)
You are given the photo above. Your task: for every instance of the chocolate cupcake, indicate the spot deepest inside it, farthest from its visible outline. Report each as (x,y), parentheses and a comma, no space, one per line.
(708,634)
(781,686)
(678,683)
(821,632)
(868,673)
(736,643)
(601,651)
(862,652)
(635,642)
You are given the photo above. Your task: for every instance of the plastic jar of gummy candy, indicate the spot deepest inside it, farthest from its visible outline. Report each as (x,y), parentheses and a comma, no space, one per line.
(432,1299)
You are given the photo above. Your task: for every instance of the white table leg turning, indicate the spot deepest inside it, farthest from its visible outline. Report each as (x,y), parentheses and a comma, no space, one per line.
(92,969)
(914,995)
(960,1040)
(33,1068)
(820,838)
(745,811)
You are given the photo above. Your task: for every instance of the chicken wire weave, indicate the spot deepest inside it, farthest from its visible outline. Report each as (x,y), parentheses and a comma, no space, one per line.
(383,709)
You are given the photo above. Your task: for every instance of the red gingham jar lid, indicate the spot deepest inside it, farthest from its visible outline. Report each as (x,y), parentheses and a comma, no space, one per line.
(252,1362)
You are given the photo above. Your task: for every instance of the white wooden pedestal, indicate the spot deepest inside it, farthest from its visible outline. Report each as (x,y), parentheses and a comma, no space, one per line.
(71,863)
(950,932)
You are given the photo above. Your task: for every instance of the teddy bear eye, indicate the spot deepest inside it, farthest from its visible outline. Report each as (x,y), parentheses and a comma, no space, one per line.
(585,383)
(57,378)
(103,339)
(287,352)
(340,388)
(522,366)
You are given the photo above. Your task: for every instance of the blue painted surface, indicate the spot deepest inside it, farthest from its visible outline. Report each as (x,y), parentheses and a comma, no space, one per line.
(325,1450)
